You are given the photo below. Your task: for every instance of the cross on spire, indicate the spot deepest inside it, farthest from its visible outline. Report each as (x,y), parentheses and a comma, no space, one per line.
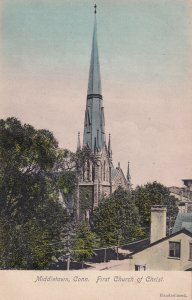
(95,6)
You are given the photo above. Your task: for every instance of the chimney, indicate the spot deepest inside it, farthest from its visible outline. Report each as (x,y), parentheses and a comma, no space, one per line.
(158,222)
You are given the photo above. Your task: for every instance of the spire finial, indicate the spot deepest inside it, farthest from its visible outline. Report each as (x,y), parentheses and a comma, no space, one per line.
(109,146)
(128,172)
(95,7)
(129,177)
(78,142)
(109,142)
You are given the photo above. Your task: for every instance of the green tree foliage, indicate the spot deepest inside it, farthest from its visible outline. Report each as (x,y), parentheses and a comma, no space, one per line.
(83,243)
(33,244)
(86,196)
(32,221)
(67,182)
(26,155)
(154,194)
(116,220)
(82,156)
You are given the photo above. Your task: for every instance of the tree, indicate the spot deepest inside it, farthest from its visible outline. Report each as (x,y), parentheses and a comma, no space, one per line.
(154,194)
(32,220)
(83,243)
(34,243)
(116,220)
(26,155)
(86,199)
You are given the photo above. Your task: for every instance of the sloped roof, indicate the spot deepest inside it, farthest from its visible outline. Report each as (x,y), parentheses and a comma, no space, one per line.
(183,221)
(185,231)
(181,191)
(114,172)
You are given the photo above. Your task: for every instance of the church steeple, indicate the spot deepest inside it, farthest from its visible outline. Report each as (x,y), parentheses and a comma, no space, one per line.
(129,178)
(78,142)
(109,147)
(94,85)
(94,124)
(97,174)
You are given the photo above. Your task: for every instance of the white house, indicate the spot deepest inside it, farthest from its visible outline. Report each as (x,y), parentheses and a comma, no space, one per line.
(173,252)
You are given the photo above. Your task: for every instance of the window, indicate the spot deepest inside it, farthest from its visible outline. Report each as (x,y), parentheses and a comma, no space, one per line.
(190,251)
(104,171)
(174,249)
(140,267)
(83,173)
(88,170)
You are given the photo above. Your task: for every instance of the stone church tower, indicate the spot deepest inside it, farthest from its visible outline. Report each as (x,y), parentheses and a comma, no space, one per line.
(99,178)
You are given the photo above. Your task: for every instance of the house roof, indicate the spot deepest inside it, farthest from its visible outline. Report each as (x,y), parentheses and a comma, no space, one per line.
(183,220)
(114,172)
(185,231)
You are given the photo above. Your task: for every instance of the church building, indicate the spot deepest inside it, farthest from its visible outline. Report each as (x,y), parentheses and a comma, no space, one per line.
(98,176)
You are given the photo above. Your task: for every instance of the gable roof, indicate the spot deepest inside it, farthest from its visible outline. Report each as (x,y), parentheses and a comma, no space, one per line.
(114,172)
(183,220)
(185,231)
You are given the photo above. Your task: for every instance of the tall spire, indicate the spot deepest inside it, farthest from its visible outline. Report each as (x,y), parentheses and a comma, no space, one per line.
(129,177)
(94,125)
(94,85)
(109,146)
(78,142)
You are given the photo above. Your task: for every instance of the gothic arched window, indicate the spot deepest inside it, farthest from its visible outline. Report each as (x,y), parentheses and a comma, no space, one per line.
(83,173)
(104,170)
(88,170)
(107,174)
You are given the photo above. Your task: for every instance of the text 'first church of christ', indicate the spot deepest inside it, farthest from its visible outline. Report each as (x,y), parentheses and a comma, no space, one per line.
(100,176)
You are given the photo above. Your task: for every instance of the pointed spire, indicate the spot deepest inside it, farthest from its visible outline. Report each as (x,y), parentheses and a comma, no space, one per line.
(94,85)
(78,142)
(129,177)
(128,171)
(94,125)
(109,143)
(109,146)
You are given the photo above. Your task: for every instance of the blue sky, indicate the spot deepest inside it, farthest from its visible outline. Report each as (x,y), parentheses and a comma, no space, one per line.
(145,58)
(50,35)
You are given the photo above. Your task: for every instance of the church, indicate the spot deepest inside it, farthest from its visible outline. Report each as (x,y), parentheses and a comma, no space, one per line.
(99,178)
